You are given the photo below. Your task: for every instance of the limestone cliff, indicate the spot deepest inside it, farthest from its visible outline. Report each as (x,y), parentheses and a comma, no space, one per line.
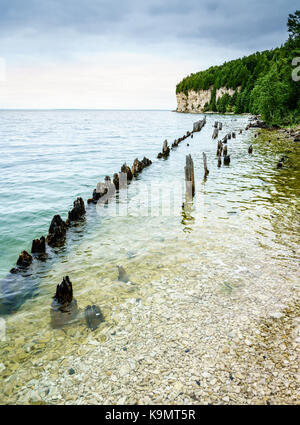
(194,101)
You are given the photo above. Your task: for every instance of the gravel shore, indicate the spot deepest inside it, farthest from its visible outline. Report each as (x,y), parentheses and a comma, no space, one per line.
(173,347)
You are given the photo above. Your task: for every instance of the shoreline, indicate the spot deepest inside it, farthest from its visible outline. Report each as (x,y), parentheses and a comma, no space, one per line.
(181,338)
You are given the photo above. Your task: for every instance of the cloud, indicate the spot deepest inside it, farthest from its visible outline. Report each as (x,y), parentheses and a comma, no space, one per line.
(238,23)
(125,53)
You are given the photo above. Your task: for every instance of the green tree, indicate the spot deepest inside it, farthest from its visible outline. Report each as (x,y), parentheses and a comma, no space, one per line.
(268,97)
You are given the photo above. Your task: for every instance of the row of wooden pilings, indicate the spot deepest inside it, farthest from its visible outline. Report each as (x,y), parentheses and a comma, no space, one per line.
(222,150)
(58,228)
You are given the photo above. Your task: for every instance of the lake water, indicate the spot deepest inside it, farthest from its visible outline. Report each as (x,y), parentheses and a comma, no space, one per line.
(243,223)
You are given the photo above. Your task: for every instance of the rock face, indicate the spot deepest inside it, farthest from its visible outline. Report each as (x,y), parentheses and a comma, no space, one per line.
(93,316)
(64,307)
(38,246)
(195,101)
(57,231)
(77,211)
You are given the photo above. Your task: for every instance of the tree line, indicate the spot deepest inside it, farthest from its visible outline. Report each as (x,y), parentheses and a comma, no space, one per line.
(262,82)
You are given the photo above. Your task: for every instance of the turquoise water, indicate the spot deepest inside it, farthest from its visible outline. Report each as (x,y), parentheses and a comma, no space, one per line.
(48,158)
(239,234)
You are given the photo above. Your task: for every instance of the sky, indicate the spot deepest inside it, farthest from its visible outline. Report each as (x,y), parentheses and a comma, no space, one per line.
(124,54)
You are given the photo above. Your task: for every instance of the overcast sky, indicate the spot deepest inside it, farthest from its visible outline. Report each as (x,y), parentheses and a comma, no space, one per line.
(124,53)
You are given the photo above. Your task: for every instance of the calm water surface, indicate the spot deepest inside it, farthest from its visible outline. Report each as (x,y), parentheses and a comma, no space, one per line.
(243,224)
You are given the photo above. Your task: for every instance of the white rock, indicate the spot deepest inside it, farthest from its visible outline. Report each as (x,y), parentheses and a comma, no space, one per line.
(2,367)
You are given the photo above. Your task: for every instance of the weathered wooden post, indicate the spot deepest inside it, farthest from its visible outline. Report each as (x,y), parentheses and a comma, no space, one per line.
(206,170)
(225,150)
(165,150)
(216,124)
(215,133)
(219,161)
(220,126)
(189,176)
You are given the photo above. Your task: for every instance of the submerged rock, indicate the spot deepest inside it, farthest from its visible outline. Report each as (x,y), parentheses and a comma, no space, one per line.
(93,316)
(250,149)
(123,276)
(57,231)
(38,246)
(64,307)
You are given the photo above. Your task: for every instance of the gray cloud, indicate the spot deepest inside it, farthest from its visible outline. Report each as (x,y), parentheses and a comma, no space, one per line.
(234,24)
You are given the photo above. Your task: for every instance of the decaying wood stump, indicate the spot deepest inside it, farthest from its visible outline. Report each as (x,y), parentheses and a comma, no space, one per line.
(125,169)
(189,176)
(233,135)
(23,262)
(146,162)
(206,170)
(57,231)
(77,212)
(216,124)
(24,259)
(226,160)
(38,246)
(165,150)
(137,167)
(228,136)
(225,150)
(215,133)
(220,148)
(198,125)
(116,181)
(64,306)
(93,316)
(220,126)
(250,149)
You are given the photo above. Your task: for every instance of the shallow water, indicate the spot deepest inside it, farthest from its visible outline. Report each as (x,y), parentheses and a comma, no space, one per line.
(242,227)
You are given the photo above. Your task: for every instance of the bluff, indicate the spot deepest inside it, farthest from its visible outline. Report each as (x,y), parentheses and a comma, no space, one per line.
(265,83)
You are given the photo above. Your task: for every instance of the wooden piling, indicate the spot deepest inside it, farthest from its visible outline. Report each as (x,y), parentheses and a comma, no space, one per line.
(189,176)
(206,170)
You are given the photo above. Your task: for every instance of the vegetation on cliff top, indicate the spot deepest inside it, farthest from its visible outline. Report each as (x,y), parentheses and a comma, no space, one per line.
(262,82)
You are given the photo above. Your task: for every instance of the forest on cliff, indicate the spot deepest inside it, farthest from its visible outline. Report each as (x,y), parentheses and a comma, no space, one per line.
(265,82)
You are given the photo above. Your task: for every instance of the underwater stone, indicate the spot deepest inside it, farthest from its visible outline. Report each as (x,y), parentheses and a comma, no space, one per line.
(93,316)
(123,276)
